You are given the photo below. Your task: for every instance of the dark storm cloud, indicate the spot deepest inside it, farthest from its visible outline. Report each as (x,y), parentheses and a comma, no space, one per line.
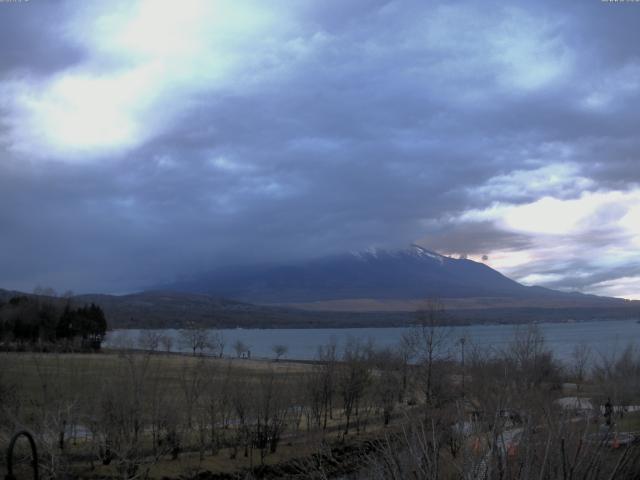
(350,126)
(30,38)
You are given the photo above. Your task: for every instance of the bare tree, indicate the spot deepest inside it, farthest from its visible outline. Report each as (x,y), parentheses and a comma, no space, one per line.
(429,339)
(121,418)
(192,383)
(327,354)
(216,344)
(149,340)
(271,410)
(388,381)
(195,338)
(581,358)
(215,404)
(44,291)
(354,378)
(529,355)
(167,342)
(406,353)
(319,387)
(619,377)
(240,348)
(558,448)
(279,351)
(242,404)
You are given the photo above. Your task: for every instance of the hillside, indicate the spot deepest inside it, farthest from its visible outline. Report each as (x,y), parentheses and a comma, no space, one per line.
(164,309)
(161,309)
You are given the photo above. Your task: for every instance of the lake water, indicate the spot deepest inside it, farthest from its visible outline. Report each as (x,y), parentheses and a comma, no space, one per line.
(604,338)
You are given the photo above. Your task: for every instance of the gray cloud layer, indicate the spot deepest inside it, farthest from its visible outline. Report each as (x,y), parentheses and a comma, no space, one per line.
(343,127)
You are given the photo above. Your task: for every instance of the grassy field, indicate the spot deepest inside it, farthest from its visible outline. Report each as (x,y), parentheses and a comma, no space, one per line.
(29,368)
(43,390)
(37,376)
(134,414)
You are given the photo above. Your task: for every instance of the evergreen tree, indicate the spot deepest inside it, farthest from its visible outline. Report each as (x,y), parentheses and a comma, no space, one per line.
(33,320)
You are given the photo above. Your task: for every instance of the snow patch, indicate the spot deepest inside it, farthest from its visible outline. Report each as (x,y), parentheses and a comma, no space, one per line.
(422,252)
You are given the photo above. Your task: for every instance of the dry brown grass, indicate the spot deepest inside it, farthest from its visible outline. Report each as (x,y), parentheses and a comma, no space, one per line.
(73,373)
(81,379)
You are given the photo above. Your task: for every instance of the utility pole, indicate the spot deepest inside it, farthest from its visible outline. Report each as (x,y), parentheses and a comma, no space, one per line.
(462,342)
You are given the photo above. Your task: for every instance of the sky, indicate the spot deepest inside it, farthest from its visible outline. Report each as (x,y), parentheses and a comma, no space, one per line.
(141,142)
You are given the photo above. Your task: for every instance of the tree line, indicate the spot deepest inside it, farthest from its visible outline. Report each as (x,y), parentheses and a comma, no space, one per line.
(38,322)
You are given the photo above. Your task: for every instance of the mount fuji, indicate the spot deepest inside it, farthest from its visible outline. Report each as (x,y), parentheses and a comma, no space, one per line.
(379,275)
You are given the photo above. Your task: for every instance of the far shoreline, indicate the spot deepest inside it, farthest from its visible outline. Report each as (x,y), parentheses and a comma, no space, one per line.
(378,325)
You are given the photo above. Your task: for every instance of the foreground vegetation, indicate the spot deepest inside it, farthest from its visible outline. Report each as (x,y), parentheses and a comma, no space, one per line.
(417,411)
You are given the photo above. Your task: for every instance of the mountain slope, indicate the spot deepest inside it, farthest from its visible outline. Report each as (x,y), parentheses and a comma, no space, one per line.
(413,273)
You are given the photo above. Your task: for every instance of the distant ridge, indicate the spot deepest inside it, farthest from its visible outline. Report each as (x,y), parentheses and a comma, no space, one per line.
(165,309)
(383,275)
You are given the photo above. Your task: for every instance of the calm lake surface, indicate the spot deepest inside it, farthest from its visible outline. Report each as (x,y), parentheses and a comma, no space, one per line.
(604,338)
